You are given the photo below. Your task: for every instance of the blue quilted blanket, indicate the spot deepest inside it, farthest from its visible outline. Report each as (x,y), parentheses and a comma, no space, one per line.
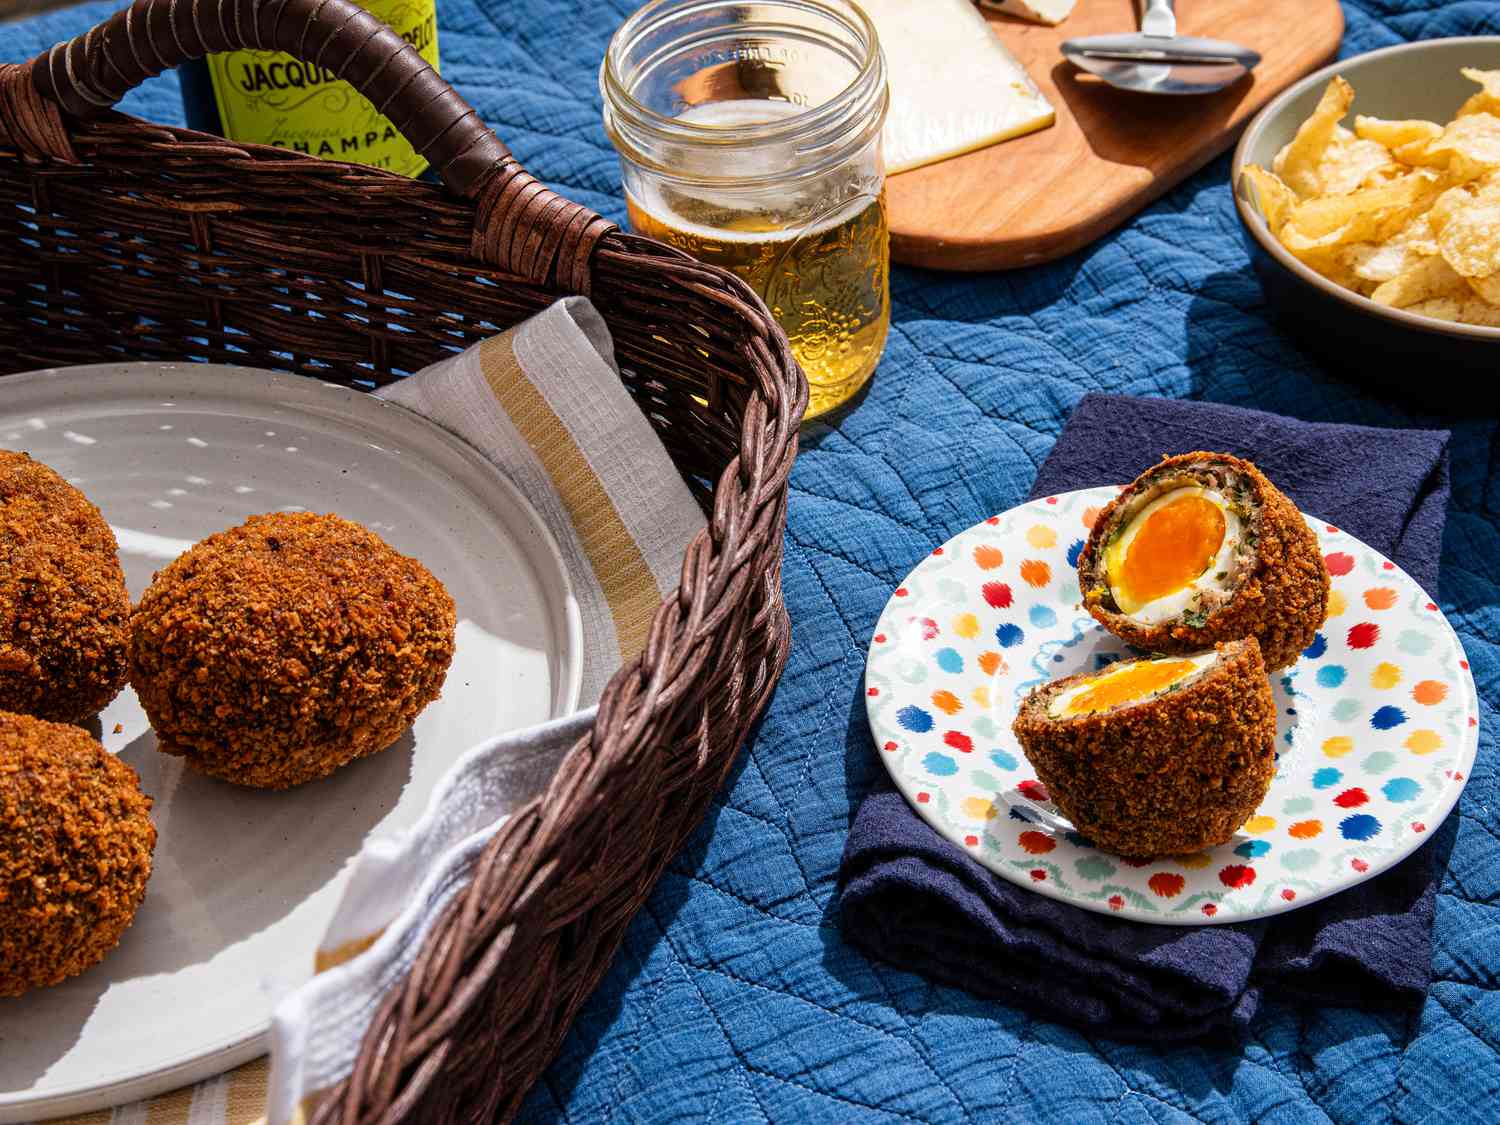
(734,997)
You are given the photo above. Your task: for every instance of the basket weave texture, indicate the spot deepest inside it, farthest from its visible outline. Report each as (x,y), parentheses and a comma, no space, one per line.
(120,238)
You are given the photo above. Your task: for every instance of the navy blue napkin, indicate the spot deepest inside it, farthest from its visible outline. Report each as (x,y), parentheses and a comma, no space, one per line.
(915,900)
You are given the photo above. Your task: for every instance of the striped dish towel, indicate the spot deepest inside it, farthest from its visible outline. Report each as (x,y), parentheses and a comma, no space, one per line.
(236,1098)
(544,402)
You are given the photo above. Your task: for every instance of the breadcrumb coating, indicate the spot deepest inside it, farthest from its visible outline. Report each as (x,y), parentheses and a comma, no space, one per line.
(64,610)
(275,652)
(1281,597)
(75,851)
(1165,776)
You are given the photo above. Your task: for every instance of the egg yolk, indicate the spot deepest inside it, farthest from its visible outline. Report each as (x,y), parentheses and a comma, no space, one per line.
(1176,544)
(1128,685)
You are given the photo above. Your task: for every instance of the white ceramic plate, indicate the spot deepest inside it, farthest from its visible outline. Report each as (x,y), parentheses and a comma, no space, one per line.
(245,881)
(1378,724)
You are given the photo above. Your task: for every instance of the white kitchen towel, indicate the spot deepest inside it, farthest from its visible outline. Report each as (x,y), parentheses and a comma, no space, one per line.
(544,402)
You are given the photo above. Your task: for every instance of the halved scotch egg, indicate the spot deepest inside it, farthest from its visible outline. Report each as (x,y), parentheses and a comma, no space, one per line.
(1180,546)
(1159,756)
(1202,548)
(1130,681)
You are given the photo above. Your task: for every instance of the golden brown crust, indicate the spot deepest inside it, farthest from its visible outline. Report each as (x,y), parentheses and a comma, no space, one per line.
(275,652)
(1281,600)
(75,851)
(64,609)
(1171,775)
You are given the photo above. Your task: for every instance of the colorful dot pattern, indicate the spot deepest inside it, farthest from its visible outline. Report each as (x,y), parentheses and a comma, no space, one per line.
(1377,724)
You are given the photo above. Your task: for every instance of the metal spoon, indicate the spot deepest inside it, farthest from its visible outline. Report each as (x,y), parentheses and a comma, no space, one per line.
(1159,61)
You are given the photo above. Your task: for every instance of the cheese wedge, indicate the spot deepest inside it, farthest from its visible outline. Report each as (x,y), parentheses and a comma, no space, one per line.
(954,86)
(1037,11)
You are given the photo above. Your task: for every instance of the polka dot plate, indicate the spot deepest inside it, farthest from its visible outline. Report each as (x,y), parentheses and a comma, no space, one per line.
(1377,724)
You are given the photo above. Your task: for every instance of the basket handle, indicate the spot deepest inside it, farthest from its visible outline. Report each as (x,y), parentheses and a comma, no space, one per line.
(520,225)
(96,69)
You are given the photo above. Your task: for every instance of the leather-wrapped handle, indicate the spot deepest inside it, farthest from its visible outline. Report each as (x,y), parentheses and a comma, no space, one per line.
(95,70)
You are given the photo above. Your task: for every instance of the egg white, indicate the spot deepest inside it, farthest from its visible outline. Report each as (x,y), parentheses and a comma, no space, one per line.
(1059,704)
(1174,604)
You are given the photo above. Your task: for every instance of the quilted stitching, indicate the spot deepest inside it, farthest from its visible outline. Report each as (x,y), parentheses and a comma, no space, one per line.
(734,998)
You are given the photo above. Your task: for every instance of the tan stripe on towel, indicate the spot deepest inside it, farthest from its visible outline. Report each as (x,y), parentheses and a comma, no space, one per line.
(170,1109)
(323,961)
(246,1103)
(623,575)
(97,1117)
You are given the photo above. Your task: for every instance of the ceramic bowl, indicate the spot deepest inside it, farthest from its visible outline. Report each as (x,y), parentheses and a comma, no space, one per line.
(1352,334)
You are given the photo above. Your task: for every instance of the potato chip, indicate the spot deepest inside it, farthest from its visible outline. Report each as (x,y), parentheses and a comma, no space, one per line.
(1334,264)
(1350,163)
(1487,186)
(1372,215)
(1486,288)
(1374,261)
(1341,269)
(1298,163)
(1424,280)
(1476,136)
(1468,147)
(1439,308)
(1460,310)
(1268,193)
(1394,134)
(1334,261)
(1406,212)
(1381,261)
(1470,239)
(1448,204)
(1488,99)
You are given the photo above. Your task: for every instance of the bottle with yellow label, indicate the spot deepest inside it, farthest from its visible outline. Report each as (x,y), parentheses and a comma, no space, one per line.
(271,98)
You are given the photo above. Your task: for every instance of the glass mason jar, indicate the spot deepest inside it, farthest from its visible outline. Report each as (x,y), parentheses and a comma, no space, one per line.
(749,137)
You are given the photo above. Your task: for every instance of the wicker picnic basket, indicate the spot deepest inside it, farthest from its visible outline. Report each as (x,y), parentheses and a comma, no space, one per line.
(123,239)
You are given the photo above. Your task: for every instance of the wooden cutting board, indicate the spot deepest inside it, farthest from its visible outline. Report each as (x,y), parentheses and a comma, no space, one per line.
(1110,153)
